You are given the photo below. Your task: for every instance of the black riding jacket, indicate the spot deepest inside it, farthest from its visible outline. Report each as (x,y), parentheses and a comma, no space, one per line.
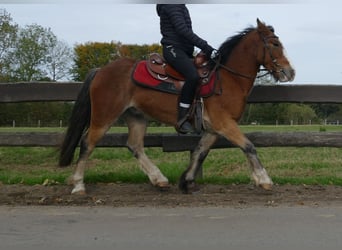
(176,29)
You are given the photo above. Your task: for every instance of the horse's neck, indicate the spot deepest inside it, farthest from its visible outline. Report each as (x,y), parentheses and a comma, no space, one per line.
(245,66)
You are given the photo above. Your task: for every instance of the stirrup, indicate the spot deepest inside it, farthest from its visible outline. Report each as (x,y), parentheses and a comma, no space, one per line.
(184,122)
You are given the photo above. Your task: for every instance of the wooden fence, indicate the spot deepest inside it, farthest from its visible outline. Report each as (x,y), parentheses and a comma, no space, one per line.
(24,92)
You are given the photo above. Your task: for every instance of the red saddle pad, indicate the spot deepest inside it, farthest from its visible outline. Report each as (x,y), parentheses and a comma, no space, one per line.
(142,77)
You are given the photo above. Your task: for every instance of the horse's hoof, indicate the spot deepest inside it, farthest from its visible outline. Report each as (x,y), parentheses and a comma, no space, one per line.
(80,192)
(79,189)
(188,187)
(193,187)
(163,186)
(266,186)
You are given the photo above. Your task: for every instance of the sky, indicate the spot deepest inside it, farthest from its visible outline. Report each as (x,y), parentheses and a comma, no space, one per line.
(311,31)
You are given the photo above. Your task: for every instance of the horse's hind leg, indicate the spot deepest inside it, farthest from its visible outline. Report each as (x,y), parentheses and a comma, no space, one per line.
(87,146)
(187,180)
(137,128)
(104,111)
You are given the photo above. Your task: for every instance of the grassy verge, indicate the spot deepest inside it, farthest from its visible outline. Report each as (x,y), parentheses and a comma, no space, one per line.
(36,165)
(244,128)
(223,166)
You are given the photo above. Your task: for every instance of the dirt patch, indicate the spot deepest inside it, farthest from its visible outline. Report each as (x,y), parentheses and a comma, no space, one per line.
(122,195)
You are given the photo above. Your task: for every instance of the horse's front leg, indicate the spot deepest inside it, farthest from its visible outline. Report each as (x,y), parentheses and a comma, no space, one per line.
(232,132)
(187,180)
(259,173)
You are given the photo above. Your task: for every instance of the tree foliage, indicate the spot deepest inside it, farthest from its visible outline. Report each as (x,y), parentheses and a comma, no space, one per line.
(139,52)
(299,113)
(28,114)
(94,55)
(31,53)
(32,47)
(8,34)
(59,61)
(281,113)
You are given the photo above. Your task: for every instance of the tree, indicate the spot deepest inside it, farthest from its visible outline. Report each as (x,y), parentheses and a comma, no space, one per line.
(299,113)
(323,111)
(336,116)
(31,53)
(138,52)
(283,113)
(37,54)
(29,113)
(8,34)
(32,47)
(263,113)
(58,62)
(92,55)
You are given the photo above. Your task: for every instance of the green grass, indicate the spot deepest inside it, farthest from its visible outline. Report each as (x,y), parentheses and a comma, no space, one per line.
(162,129)
(222,166)
(36,165)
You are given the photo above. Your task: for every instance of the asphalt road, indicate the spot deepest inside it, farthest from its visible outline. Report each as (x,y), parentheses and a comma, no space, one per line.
(170,228)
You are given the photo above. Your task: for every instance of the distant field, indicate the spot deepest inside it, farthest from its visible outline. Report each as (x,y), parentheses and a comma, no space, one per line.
(36,165)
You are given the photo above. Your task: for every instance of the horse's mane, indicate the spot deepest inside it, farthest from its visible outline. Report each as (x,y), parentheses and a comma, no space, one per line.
(228,46)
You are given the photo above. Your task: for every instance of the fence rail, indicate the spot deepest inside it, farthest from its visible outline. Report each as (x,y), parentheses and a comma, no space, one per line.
(24,92)
(67,91)
(173,143)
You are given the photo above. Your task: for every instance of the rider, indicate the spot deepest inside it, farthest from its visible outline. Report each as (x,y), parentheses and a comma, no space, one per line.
(178,41)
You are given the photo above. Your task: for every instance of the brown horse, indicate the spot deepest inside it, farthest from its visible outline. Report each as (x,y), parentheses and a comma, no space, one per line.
(109,93)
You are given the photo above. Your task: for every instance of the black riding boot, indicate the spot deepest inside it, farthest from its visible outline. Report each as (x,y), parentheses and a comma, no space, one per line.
(183,125)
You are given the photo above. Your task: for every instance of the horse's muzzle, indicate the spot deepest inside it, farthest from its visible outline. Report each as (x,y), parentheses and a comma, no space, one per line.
(287,74)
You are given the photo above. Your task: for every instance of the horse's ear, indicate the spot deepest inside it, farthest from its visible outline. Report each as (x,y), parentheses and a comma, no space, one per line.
(260,24)
(263,28)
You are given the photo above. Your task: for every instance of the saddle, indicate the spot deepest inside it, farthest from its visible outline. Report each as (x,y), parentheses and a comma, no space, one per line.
(161,70)
(155,73)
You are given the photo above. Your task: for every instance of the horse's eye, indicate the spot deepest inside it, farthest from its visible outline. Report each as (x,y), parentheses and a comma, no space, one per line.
(270,28)
(275,44)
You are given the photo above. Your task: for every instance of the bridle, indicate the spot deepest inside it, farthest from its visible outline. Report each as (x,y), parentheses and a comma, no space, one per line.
(266,49)
(275,63)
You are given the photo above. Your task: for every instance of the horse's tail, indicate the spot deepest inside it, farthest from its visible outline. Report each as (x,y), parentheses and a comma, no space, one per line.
(78,122)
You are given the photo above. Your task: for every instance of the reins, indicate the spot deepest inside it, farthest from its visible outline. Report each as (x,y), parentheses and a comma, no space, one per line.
(234,72)
(219,65)
(245,76)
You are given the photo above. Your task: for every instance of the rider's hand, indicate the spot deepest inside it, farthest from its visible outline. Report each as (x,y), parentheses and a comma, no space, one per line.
(214,54)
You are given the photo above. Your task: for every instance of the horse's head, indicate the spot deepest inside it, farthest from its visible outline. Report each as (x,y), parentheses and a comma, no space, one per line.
(271,54)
